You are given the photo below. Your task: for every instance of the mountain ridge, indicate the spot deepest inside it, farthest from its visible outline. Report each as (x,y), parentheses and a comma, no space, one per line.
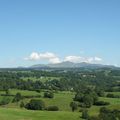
(68,64)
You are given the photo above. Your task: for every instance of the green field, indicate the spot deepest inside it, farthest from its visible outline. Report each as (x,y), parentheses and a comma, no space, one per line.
(23,92)
(61,99)
(18,114)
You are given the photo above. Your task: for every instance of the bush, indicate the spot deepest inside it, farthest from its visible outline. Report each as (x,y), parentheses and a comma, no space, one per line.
(52,108)
(112,96)
(79,97)
(108,114)
(17,98)
(22,105)
(38,91)
(73,106)
(88,101)
(5,101)
(85,114)
(101,103)
(48,95)
(35,105)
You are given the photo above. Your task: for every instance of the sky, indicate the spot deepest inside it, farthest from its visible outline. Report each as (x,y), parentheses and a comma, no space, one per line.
(53,31)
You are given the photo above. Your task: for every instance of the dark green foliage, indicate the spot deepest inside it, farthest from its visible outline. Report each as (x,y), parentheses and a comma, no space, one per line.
(112,96)
(73,106)
(48,94)
(52,108)
(38,91)
(106,114)
(99,92)
(79,97)
(5,101)
(73,79)
(101,103)
(22,105)
(85,114)
(17,97)
(88,101)
(86,98)
(7,92)
(35,105)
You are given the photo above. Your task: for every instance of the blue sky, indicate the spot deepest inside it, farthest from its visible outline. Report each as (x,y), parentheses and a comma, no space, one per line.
(68,29)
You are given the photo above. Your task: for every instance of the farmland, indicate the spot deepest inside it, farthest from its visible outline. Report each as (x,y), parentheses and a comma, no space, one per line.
(64,88)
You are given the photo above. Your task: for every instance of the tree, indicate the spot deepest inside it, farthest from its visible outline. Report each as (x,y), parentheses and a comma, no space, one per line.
(85,114)
(88,101)
(22,105)
(74,106)
(17,97)
(107,114)
(35,105)
(7,91)
(5,101)
(79,97)
(101,103)
(48,94)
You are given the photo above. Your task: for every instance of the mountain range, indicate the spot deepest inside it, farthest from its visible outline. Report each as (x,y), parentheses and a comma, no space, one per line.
(71,65)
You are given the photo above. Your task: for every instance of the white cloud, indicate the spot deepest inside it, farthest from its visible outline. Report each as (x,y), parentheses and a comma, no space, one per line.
(75,59)
(78,59)
(53,58)
(98,59)
(50,57)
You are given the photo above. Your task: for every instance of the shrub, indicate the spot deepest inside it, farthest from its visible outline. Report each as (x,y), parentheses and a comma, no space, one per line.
(85,114)
(79,97)
(101,103)
(35,105)
(17,97)
(22,105)
(73,106)
(5,101)
(48,94)
(38,91)
(52,108)
(88,101)
(110,95)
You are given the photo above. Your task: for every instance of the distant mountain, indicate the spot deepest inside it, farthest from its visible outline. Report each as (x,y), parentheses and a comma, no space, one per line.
(39,66)
(71,65)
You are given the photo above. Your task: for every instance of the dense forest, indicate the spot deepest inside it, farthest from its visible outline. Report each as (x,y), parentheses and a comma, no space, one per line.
(107,80)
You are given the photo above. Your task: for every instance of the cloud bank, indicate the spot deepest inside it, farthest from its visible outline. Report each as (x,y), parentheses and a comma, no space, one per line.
(50,57)
(53,58)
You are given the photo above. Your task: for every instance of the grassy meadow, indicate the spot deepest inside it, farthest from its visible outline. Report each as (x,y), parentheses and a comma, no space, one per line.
(61,99)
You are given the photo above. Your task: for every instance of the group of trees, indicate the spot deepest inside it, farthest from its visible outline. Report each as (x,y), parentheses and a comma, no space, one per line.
(69,80)
(86,98)
(7,99)
(106,114)
(35,104)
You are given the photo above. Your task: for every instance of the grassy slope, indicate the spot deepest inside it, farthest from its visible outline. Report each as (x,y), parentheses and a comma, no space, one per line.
(61,99)
(17,114)
(114,104)
(23,92)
